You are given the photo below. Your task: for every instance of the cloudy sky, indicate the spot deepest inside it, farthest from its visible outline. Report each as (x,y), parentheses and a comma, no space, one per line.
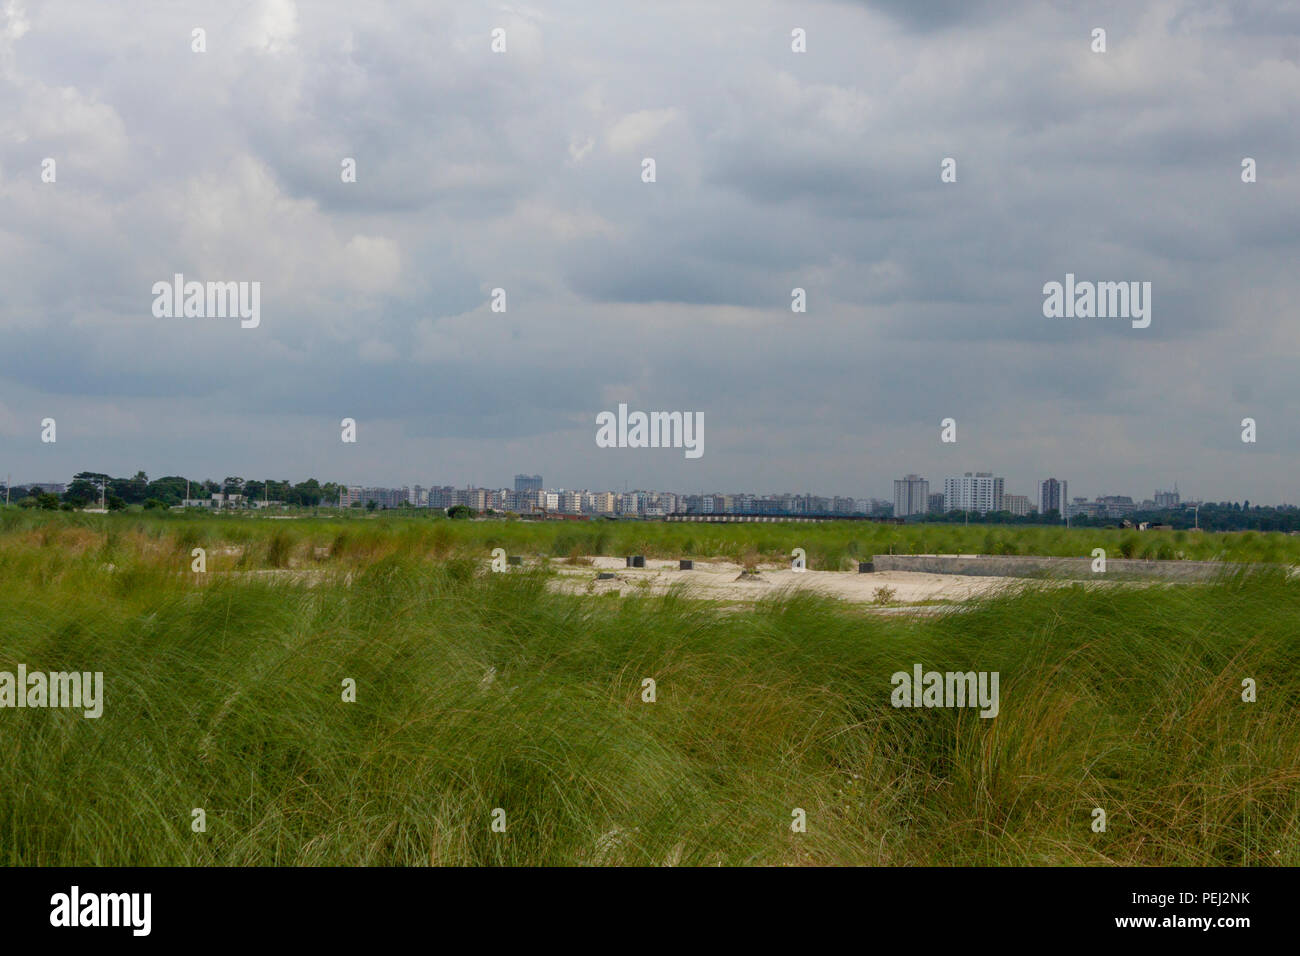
(774,170)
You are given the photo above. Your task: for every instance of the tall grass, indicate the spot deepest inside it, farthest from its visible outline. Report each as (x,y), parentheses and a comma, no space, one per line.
(836,545)
(478,691)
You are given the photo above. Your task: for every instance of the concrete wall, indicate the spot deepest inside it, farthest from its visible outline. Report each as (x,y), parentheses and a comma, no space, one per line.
(1018,566)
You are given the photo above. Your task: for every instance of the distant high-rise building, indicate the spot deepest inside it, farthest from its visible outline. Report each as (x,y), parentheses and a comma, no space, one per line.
(1167,500)
(976,491)
(936,503)
(528,483)
(911,496)
(1018,505)
(382,497)
(442,497)
(1053,495)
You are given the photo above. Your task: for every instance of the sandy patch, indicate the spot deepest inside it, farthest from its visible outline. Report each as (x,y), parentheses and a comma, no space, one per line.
(724,581)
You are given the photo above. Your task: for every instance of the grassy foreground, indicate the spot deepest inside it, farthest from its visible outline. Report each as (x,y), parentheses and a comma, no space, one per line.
(478,691)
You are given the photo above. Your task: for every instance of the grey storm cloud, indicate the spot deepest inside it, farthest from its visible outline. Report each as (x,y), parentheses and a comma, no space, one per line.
(775,170)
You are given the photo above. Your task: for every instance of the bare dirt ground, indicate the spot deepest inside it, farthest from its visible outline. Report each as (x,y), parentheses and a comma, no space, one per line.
(725,582)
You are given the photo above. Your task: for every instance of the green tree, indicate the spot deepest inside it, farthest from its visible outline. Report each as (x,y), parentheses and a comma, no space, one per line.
(134,490)
(81,493)
(169,490)
(307,493)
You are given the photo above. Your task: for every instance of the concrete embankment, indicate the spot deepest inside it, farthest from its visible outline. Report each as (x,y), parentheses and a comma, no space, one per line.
(1021,566)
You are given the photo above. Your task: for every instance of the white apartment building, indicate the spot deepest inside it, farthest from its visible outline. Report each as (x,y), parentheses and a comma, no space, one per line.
(978,491)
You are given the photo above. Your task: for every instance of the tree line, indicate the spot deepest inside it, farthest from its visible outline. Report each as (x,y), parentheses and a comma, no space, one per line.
(89,488)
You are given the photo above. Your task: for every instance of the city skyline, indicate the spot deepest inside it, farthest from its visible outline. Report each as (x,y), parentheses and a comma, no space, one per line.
(1162,498)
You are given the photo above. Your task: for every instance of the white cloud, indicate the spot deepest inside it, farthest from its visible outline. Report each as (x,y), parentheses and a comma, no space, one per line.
(637,129)
(270,26)
(371,262)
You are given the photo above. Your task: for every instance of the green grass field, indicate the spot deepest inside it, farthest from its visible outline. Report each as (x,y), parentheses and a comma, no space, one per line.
(477,691)
(333,536)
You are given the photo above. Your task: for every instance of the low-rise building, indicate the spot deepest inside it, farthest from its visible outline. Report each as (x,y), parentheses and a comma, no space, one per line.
(1083,508)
